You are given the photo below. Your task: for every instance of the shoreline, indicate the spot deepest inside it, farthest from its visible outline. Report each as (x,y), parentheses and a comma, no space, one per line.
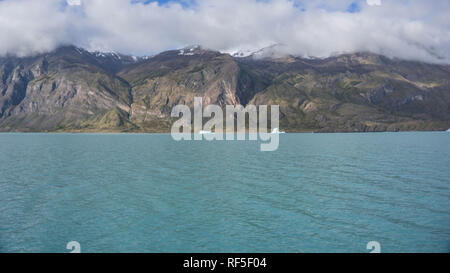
(168,133)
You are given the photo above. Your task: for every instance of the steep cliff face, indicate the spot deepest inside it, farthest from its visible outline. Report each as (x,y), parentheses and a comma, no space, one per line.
(71,89)
(64,87)
(359,92)
(176,77)
(173,78)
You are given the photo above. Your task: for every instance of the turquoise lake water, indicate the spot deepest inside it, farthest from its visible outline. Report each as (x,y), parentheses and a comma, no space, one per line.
(148,193)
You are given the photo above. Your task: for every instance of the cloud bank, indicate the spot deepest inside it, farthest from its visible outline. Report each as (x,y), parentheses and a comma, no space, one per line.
(408,29)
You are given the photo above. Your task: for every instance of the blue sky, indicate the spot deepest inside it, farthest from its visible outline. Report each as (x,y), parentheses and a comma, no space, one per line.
(352,7)
(185,3)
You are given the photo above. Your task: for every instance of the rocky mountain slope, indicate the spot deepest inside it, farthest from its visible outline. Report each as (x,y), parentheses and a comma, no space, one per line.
(71,89)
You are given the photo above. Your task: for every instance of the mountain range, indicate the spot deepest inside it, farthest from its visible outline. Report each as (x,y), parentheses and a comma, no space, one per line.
(74,90)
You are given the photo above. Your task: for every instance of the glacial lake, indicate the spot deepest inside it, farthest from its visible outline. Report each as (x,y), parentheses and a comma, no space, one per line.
(149,193)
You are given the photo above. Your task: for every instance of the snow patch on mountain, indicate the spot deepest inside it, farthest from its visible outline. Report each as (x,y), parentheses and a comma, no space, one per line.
(117,56)
(190,50)
(268,52)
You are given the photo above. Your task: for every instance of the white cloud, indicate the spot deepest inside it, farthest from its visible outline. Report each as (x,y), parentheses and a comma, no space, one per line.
(410,29)
(74,2)
(374,2)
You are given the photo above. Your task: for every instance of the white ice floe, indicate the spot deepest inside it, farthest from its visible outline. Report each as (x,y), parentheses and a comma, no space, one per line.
(276,131)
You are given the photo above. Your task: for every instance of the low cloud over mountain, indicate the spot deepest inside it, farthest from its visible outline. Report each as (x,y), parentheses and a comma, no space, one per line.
(412,29)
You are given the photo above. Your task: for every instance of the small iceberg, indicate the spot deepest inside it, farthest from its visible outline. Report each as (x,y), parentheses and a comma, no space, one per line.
(205,132)
(448,130)
(276,131)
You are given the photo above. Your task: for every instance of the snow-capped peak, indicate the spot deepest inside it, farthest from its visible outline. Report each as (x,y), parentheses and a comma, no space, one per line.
(241,52)
(107,54)
(272,51)
(189,50)
(117,56)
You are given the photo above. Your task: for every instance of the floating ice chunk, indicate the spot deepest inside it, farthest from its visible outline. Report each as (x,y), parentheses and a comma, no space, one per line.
(276,131)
